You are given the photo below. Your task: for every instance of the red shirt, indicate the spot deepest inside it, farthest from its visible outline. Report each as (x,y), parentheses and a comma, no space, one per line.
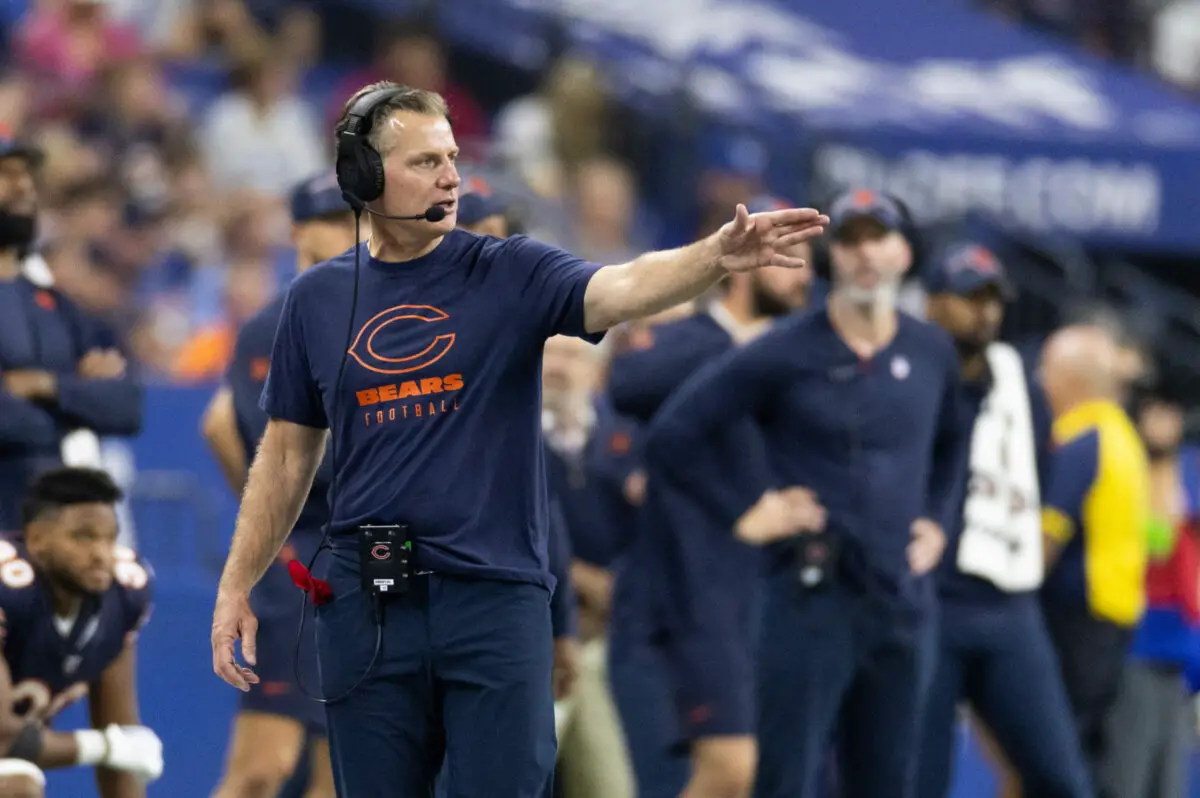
(1175,582)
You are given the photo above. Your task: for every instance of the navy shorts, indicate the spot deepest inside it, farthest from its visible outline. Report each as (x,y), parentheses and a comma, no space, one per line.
(713,674)
(277,603)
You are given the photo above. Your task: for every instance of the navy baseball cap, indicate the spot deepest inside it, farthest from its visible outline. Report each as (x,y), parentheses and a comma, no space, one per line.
(476,202)
(733,154)
(12,147)
(965,268)
(316,197)
(864,203)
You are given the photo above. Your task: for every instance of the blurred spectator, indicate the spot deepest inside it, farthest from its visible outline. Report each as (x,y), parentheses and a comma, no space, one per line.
(1165,34)
(547,134)
(260,135)
(1150,724)
(605,197)
(193,29)
(194,230)
(16,100)
(87,217)
(732,171)
(69,160)
(413,56)
(1096,510)
(248,289)
(253,233)
(299,34)
(1175,43)
(136,122)
(65,44)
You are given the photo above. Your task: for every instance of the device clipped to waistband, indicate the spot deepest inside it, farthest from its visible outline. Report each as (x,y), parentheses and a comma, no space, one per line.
(817,556)
(385,559)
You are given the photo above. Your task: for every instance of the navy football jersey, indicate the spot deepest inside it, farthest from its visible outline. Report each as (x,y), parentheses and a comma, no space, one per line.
(51,661)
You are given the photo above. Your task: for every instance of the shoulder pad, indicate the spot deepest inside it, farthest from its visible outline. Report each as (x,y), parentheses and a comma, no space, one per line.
(130,571)
(16,572)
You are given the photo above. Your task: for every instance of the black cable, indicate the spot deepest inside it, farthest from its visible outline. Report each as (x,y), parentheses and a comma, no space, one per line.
(333,494)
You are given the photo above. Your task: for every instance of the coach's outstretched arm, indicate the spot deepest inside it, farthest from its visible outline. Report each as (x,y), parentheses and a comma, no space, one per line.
(659,280)
(276,488)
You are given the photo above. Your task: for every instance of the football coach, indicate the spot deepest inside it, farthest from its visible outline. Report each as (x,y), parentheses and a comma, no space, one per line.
(419,352)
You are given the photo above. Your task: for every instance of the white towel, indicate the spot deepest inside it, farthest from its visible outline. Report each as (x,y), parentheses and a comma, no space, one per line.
(1002,531)
(37,271)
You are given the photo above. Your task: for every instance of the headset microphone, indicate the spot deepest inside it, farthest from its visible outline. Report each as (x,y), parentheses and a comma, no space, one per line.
(434,213)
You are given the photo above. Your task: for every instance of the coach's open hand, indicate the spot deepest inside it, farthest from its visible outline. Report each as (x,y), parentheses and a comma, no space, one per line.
(752,241)
(233,620)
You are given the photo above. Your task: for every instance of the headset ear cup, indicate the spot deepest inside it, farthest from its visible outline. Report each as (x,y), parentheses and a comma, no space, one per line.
(372,172)
(366,181)
(359,169)
(345,166)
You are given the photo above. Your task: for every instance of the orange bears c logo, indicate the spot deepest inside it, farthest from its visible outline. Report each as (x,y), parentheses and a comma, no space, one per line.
(363,348)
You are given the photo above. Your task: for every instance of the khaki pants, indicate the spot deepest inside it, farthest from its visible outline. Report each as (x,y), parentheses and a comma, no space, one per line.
(592,756)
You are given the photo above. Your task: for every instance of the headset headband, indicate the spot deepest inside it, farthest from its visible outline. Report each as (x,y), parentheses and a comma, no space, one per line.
(361,114)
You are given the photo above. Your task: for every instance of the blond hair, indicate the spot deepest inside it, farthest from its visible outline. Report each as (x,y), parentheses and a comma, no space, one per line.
(404,98)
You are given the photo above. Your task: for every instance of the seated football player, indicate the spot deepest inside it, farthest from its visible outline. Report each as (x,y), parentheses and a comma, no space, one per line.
(71,604)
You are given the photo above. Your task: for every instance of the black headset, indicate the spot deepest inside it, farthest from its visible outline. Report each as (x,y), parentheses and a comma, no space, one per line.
(359,166)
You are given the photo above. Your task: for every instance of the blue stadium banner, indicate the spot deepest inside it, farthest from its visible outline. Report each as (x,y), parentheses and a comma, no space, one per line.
(950,108)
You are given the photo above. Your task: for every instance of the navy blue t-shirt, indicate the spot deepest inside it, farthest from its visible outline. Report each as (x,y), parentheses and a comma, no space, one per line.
(437,421)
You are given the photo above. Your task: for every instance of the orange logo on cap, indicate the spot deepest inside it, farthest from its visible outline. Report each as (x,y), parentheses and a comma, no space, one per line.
(477,185)
(983,260)
(863,198)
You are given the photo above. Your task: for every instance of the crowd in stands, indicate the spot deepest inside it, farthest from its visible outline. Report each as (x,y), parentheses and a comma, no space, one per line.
(173,132)
(1161,36)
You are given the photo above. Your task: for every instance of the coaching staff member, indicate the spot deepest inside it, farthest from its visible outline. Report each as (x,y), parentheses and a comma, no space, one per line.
(58,371)
(995,652)
(855,403)
(436,426)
